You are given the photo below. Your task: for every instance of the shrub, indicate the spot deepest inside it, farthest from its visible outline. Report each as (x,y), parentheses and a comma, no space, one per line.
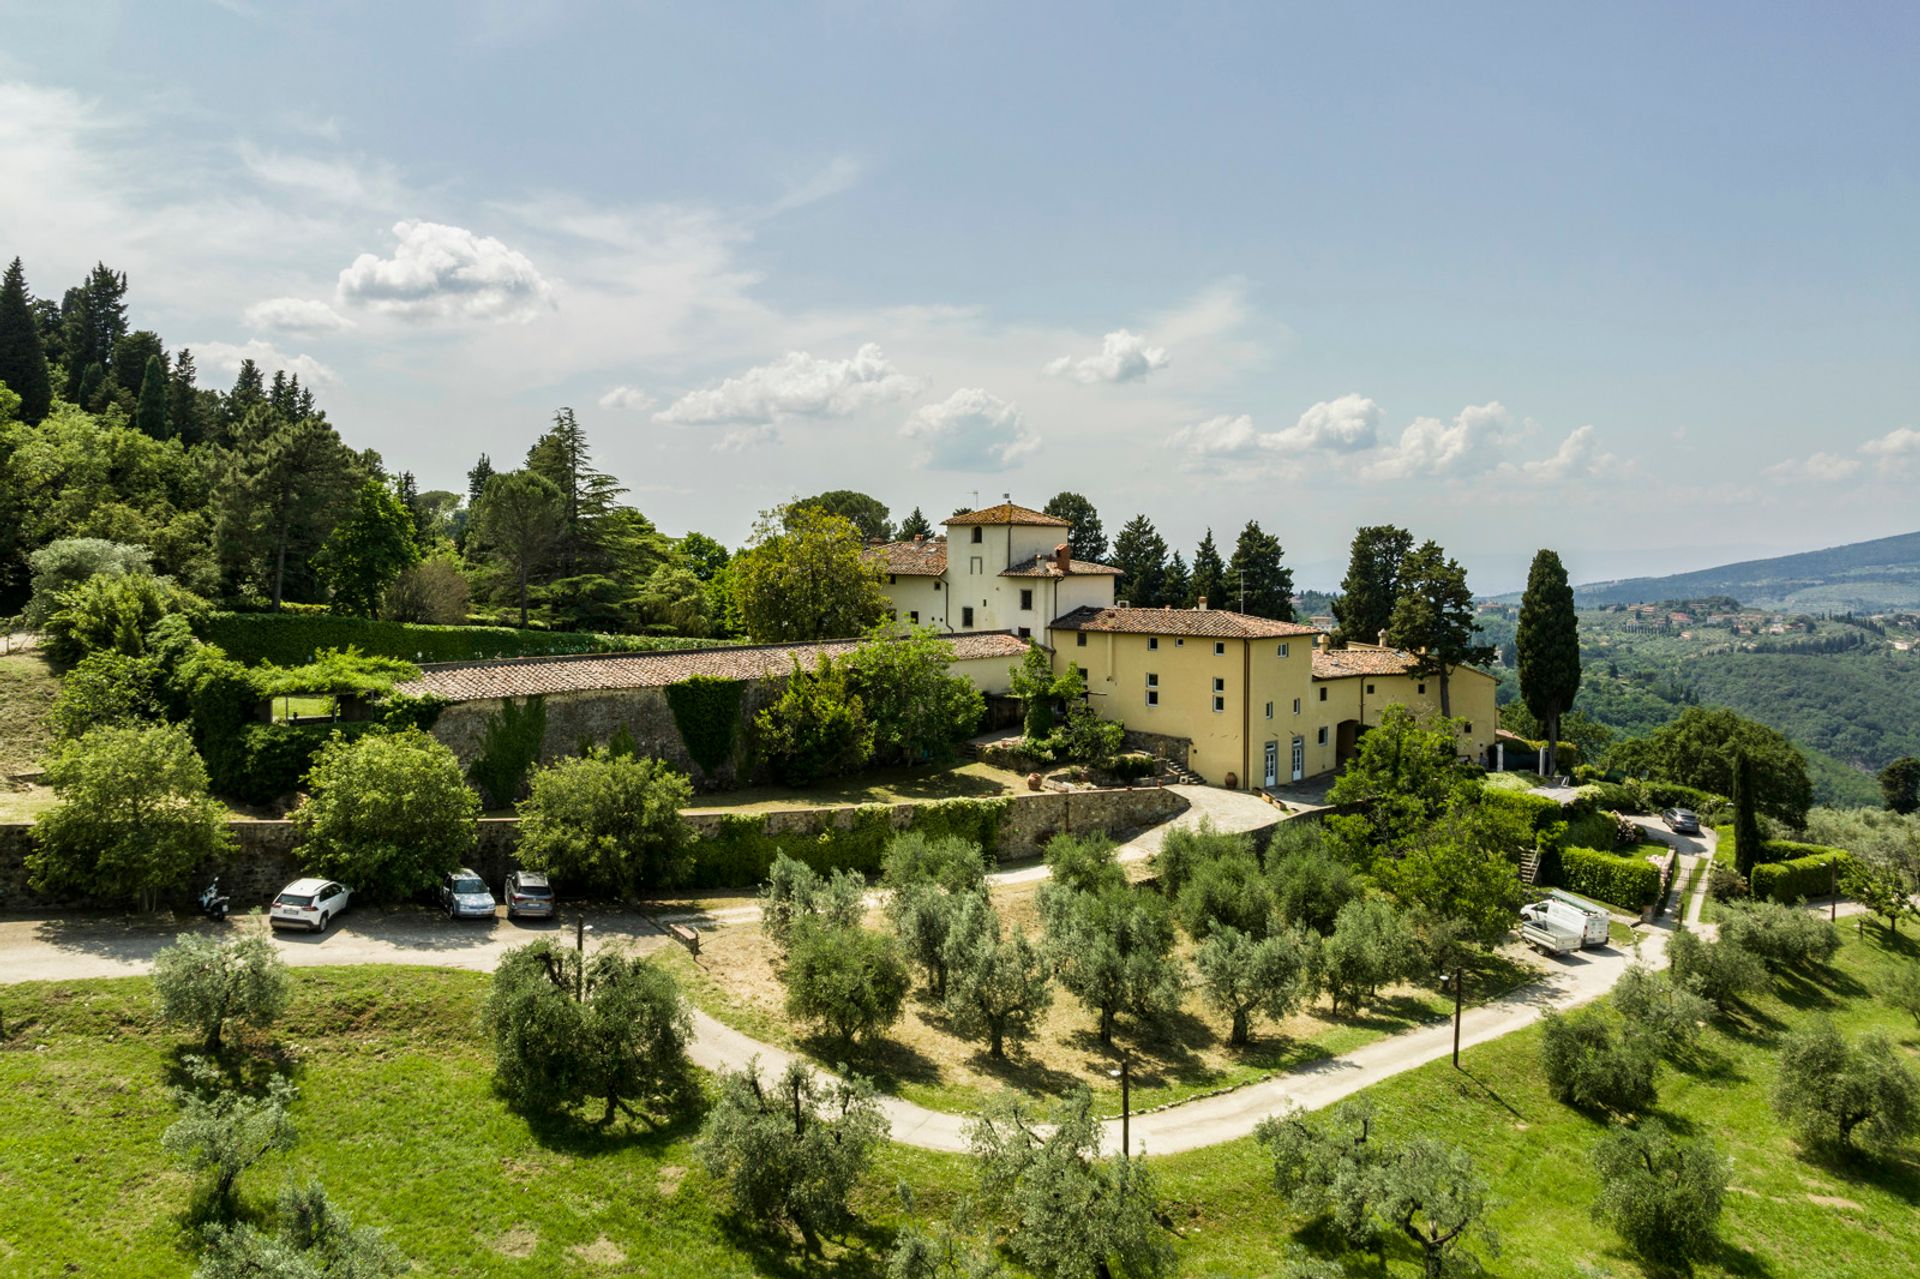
(816,728)
(66,562)
(114,613)
(434,591)
(1805,875)
(106,688)
(1718,971)
(1132,766)
(203,983)
(919,709)
(1370,947)
(1840,1097)
(1725,884)
(509,746)
(1088,738)
(850,981)
(610,822)
(313,1239)
(1784,937)
(1661,1194)
(388,814)
(706,710)
(1243,974)
(1628,882)
(1590,1065)
(796,895)
(997,988)
(224,1131)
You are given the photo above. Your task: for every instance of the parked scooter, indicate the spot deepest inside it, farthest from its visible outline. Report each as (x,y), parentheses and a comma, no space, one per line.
(213,903)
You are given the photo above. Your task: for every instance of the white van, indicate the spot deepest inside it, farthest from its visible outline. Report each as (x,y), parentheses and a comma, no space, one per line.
(1590,926)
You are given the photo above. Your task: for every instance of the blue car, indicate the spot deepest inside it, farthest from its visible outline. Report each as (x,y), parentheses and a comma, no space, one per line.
(465,895)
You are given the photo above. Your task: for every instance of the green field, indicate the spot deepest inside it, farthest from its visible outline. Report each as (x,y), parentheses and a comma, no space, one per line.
(397,1117)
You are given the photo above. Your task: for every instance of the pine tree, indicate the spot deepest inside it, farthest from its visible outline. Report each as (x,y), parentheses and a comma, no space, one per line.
(1548,646)
(1178,589)
(23,360)
(186,418)
(1372,586)
(915,525)
(249,393)
(93,317)
(1257,581)
(1140,553)
(477,476)
(1086,538)
(588,553)
(282,497)
(151,417)
(1209,576)
(1433,618)
(92,391)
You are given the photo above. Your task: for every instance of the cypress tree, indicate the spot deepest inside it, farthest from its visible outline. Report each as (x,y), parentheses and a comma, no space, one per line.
(477,477)
(23,360)
(151,416)
(1208,580)
(1372,584)
(1548,646)
(1258,582)
(1747,839)
(92,388)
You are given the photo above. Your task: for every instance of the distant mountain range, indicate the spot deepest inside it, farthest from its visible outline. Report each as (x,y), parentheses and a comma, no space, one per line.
(1875,576)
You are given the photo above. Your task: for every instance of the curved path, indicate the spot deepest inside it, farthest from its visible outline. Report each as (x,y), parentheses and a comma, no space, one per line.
(32,950)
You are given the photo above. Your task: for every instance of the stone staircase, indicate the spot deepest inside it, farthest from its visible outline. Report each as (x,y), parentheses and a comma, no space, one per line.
(1530,866)
(1179,774)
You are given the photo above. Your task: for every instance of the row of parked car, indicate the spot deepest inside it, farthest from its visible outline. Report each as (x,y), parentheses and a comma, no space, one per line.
(312,904)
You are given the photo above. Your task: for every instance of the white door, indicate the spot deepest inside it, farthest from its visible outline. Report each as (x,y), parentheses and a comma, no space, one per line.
(1299,758)
(1273,764)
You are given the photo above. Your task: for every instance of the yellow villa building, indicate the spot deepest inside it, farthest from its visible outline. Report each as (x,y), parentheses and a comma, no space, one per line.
(1250,701)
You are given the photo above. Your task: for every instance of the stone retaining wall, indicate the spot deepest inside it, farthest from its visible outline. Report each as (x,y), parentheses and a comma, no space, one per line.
(267,859)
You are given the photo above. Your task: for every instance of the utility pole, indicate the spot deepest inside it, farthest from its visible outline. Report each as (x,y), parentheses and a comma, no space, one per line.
(580,930)
(1126,1103)
(1453,979)
(1833,889)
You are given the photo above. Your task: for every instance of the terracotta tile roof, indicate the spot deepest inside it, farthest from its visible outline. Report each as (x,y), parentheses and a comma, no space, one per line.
(1213,623)
(911,559)
(1010,513)
(589,672)
(1043,566)
(1340,663)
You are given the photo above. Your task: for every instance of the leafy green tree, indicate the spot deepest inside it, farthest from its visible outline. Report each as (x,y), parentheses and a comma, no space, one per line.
(1078,864)
(1698,749)
(1842,1097)
(1665,1012)
(1035,684)
(1459,869)
(805,576)
(433,591)
(1404,774)
(609,822)
(151,415)
(313,1239)
(1326,1166)
(1187,849)
(1786,938)
(922,915)
(613,1027)
(65,563)
(516,523)
(286,487)
(1243,975)
(386,814)
(1433,618)
(1900,784)
(367,550)
(1112,949)
(673,601)
(868,514)
(997,987)
(1660,1193)
(1258,582)
(1548,641)
(1067,1209)
(224,1132)
(1718,971)
(949,861)
(23,360)
(791,1150)
(1592,1066)
(1310,884)
(133,817)
(106,689)
(818,726)
(108,613)
(1140,553)
(1370,947)
(796,895)
(1363,610)
(1086,540)
(915,525)
(919,709)
(1430,1192)
(704,555)
(850,981)
(1207,580)
(1087,736)
(203,983)
(1228,891)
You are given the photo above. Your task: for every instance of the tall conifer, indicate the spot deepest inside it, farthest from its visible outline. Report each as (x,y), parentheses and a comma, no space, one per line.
(1548,646)
(23,360)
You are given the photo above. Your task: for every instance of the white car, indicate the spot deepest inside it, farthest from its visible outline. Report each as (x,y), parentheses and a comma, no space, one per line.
(308,903)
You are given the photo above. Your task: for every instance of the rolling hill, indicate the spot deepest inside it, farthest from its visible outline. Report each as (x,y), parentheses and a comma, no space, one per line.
(1875,576)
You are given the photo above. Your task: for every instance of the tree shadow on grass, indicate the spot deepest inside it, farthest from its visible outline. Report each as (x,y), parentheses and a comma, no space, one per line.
(246,1063)
(1733,1259)
(778,1250)
(1815,988)
(1024,1074)
(887,1062)
(1703,1062)
(578,1131)
(1749,1024)
(1894,1172)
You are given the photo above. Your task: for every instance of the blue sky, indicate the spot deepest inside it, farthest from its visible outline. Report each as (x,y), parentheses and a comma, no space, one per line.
(1636,282)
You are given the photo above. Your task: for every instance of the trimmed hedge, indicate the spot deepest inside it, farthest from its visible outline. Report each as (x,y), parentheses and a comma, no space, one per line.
(1630,883)
(1566,755)
(1799,877)
(1637,795)
(288,639)
(740,853)
(1538,811)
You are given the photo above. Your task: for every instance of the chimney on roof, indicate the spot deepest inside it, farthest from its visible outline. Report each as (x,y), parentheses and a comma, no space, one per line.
(1320,640)
(1006,497)
(1383,639)
(1063,558)
(919,538)
(1201,603)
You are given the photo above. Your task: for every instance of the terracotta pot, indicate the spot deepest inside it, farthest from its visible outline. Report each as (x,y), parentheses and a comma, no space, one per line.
(1033,781)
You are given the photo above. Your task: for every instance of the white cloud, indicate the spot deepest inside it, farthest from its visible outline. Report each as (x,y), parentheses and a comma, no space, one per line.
(334,179)
(1578,457)
(445,272)
(1428,446)
(741,439)
(1895,449)
(839,174)
(1124,357)
(296,315)
(797,385)
(630,398)
(1825,468)
(227,357)
(970,430)
(1223,436)
(1345,425)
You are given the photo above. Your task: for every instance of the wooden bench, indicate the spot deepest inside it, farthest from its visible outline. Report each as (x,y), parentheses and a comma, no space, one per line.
(685,936)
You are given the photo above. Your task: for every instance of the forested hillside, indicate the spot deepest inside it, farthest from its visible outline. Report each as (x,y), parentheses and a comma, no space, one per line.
(1864,576)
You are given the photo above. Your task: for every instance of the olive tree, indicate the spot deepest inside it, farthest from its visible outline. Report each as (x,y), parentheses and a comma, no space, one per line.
(1841,1097)
(1371,947)
(1229,891)
(851,982)
(1112,949)
(610,822)
(1067,1209)
(1242,975)
(790,1151)
(795,893)
(1592,1066)
(1660,1193)
(1667,1013)
(614,1027)
(1782,937)
(203,983)
(387,814)
(1430,1192)
(997,987)
(927,882)
(134,815)
(1719,971)
(1310,884)
(224,1132)
(311,1239)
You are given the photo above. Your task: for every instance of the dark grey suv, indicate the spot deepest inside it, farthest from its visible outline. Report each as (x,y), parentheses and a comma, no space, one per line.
(529,895)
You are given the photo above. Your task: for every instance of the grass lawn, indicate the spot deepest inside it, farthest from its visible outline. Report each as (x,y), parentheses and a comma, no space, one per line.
(285,708)
(1514,780)
(27,689)
(971,780)
(397,1117)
